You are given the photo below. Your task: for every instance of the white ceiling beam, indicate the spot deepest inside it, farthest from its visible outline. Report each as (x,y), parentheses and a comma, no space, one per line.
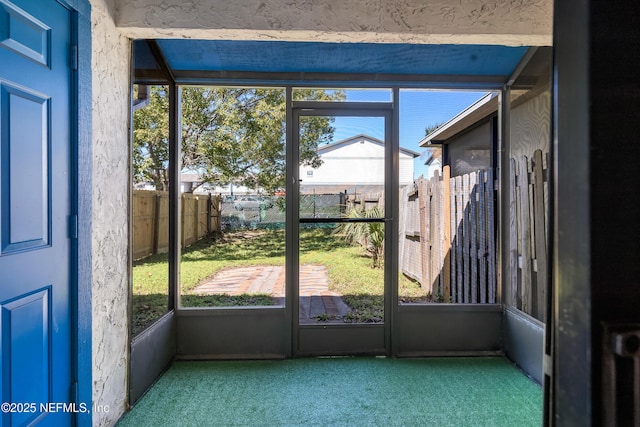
(504,22)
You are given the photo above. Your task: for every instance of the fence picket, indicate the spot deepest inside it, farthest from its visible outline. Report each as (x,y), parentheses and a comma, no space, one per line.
(454,236)
(459,238)
(436,249)
(525,230)
(515,297)
(540,235)
(182,222)
(482,238)
(446,249)
(402,214)
(473,247)
(491,237)
(425,228)
(196,219)
(466,235)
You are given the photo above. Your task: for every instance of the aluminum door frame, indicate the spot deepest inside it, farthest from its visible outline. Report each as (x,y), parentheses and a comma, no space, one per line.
(340,339)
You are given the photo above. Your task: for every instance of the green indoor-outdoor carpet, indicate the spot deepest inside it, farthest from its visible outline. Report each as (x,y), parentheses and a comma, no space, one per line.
(341,392)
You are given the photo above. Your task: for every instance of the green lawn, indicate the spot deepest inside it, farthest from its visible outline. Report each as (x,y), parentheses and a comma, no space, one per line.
(350,272)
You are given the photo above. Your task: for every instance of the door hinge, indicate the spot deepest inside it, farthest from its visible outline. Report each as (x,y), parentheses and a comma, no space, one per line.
(74,57)
(73,227)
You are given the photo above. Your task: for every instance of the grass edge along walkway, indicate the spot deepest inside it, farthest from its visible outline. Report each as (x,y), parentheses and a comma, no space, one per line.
(341,391)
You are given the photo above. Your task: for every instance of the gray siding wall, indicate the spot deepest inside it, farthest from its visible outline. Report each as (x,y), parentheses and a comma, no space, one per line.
(530,123)
(470,151)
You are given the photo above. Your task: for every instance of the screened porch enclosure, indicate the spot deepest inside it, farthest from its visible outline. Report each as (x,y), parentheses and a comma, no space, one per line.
(300,256)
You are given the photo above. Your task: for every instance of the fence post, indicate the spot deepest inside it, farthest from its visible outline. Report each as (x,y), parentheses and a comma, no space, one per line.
(473,243)
(435,232)
(525,233)
(156,223)
(459,236)
(402,226)
(492,241)
(482,236)
(446,267)
(182,233)
(540,235)
(466,240)
(514,293)
(424,226)
(454,240)
(219,213)
(196,218)
(209,214)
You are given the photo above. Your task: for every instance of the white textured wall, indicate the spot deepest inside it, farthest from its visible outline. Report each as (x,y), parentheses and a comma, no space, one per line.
(508,22)
(110,66)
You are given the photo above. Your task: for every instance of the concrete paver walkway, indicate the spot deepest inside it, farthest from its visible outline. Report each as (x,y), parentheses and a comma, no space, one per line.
(315,297)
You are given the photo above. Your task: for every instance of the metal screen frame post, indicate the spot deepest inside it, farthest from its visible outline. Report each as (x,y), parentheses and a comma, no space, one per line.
(502,229)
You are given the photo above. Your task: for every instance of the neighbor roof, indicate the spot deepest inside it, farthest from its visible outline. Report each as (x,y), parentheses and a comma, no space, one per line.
(477,111)
(359,137)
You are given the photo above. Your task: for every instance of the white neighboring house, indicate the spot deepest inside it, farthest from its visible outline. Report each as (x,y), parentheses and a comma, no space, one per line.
(433,160)
(192,183)
(353,163)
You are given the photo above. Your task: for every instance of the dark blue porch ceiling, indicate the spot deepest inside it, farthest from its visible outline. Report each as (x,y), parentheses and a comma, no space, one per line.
(198,58)
(268,56)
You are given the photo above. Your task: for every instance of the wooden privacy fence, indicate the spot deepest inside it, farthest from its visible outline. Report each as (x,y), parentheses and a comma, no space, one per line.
(200,216)
(528,246)
(447,236)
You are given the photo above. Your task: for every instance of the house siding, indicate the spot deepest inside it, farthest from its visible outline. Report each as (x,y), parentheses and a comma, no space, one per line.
(354,163)
(406,170)
(530,131)
(110,287)
(470,151)
(530,126)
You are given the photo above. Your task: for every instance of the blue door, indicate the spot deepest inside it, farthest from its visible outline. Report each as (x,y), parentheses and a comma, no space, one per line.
(35,209)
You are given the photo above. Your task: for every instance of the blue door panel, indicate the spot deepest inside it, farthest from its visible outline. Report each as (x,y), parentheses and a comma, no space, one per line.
(35,206)
(26,346)
(23,33)
(24,172)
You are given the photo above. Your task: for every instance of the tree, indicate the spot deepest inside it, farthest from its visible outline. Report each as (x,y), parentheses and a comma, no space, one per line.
(151,140)
(230,135)
(431,128)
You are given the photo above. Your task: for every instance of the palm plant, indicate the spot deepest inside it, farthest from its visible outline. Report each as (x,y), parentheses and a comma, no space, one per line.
(368,234)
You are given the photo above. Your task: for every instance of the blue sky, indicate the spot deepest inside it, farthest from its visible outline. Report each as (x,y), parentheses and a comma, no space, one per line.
(418,109)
